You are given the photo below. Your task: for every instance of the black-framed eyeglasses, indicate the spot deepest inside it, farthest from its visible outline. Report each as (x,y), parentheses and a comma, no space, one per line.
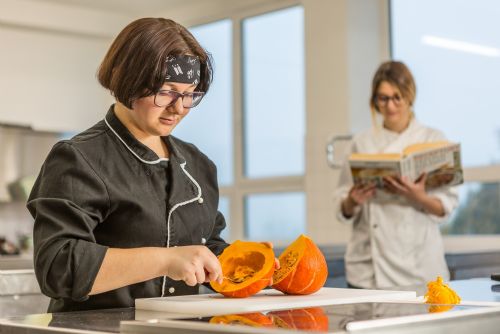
(382,100)
(166,97)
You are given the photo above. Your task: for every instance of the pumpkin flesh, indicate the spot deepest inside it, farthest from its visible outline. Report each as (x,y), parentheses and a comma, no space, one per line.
(247,268)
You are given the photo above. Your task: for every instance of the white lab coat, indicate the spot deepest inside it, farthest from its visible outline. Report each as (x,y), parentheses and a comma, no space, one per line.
(393,243)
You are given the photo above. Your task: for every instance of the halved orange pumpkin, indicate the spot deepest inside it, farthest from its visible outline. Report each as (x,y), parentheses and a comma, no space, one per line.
(256,319)
(303,268)
(247,267)
(310,319)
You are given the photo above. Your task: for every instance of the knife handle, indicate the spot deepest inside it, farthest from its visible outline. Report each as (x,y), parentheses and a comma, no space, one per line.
(495,277)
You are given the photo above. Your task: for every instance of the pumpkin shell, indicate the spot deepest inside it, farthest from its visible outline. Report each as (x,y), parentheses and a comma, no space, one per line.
(247,267)
(308,319)
(303,268)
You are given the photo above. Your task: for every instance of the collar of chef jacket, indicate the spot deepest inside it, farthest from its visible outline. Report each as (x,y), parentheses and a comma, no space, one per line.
(184,188)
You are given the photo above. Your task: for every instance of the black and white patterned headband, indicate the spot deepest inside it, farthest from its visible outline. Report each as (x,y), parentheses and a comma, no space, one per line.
(183,69)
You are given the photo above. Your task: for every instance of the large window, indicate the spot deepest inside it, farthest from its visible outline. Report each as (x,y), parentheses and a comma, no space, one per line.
(255,135)
(209,125)
(453,49)
(275,216)
(273,114)
(478,212)
(273,94)
(224,209)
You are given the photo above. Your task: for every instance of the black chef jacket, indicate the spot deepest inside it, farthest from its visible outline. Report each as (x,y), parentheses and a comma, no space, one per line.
(100,189)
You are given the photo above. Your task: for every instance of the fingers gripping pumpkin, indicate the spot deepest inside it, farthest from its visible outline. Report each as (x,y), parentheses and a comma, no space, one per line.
(303,268)
(247,267)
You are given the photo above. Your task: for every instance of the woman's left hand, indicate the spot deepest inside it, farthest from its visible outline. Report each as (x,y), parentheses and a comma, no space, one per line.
(276,261)
(413,191)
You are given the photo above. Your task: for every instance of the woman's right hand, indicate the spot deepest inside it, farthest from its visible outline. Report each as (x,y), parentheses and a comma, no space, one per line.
(193,265)
(358,195)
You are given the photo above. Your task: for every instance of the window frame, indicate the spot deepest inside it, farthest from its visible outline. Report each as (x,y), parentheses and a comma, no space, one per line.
(476,174)
(243,186)
(366,26)
(483,173)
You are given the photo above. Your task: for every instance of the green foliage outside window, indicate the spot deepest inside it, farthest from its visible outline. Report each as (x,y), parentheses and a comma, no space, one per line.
(479,214)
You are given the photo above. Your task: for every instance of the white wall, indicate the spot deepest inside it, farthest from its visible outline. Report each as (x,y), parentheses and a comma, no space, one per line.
(49,54)
(345,42)
(48,60)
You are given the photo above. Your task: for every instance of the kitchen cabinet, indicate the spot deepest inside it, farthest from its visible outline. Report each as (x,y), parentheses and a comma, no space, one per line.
(48,79)
(23,152)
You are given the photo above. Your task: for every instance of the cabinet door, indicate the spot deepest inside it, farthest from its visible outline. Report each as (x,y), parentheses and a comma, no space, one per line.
(48,79)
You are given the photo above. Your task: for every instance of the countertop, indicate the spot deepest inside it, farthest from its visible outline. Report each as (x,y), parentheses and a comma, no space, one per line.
(108,321)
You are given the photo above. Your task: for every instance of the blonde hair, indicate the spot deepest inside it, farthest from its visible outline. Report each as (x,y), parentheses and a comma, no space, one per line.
(398,75)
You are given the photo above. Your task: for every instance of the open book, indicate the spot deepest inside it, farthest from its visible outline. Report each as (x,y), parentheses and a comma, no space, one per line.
(440,160)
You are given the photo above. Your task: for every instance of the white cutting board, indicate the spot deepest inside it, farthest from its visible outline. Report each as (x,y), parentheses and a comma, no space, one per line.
(213,304)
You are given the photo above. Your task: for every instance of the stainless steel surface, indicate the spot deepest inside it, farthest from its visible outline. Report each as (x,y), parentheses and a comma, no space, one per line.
(21,305)
(9,262)
(17,276)
(98,321)
(167,327)
(18,282)
(487,323)
(350,318)
(135,321)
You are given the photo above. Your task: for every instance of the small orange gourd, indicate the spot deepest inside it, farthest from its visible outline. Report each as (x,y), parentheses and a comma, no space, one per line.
(247,267)
(440,293)
(303,269)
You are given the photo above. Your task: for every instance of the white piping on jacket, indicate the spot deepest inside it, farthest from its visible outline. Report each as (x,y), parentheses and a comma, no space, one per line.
(183,167)
(128,148)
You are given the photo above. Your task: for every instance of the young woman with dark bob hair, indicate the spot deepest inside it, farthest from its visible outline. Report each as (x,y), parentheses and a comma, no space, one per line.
(125,210)
(395,238)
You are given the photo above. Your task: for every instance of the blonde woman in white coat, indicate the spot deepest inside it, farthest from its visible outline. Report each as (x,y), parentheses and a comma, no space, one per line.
(395,240)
